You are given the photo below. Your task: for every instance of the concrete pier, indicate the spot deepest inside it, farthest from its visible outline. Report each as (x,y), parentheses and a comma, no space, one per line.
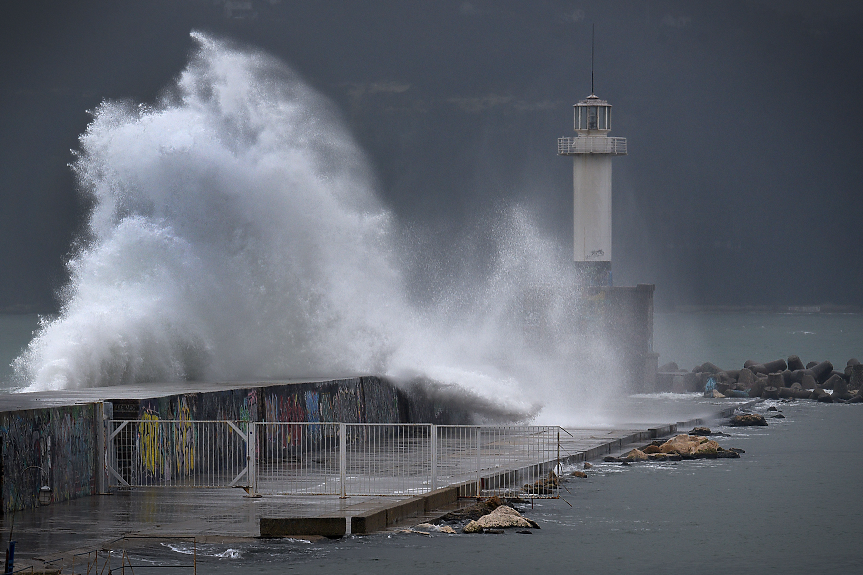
(47,534)
(52,438)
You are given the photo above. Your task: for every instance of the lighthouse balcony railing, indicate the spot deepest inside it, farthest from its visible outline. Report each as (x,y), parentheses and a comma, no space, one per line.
(591,145)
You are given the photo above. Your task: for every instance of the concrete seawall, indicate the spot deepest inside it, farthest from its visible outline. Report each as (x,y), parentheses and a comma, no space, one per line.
(50,439)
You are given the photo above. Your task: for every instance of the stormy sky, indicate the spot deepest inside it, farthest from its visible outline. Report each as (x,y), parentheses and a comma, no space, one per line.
(742,185)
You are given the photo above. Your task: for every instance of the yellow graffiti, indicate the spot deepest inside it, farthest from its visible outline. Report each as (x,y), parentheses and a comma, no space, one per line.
(150,452)
(184,444)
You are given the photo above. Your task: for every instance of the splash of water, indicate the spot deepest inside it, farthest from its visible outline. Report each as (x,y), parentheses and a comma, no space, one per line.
(236,235)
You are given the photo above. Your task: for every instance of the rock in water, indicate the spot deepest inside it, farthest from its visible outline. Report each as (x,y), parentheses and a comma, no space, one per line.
(580,474)
(747,419)
(794,363)
(502,518)
(635,455)
(472,527)
(700,431)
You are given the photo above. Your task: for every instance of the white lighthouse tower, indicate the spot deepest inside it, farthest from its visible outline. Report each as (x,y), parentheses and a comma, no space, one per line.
(591,151)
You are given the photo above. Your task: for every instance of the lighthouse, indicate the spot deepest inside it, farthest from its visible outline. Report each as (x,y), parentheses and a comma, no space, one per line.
(592,150)
(619,317)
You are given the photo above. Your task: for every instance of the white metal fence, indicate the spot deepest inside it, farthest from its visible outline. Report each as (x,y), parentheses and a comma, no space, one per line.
(568,146)
(334,458)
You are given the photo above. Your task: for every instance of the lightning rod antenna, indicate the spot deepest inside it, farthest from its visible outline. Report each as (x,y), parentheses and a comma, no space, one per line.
(592,42)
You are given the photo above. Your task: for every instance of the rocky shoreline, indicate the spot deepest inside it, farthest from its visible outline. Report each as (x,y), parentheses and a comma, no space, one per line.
(778,379)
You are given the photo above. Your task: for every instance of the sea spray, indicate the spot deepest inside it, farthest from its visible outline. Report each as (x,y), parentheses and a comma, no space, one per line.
(236,235)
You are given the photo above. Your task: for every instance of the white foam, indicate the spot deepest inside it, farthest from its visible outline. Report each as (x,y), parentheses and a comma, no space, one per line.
(236,234)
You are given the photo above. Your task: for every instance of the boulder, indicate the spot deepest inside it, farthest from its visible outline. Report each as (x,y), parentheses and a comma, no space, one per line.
(758,368)
(727,454)
(691,382)
(579,474)
(475,511)
(715,394)
(428,527)
(747,420)
(502,518)
(819,394)
(635,455)
(775,380)
(856,378)
(708,367)
(472,527)
(651,449)
(833,381)
(794,363)
(822,371)
(698,431)
(683,444)
(776,366)
(587,465)
(757,388)
(707,449)
(546,485)
(840,389)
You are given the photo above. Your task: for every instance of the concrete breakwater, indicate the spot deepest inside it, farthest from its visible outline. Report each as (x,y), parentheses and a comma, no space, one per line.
(778,379)
(49,441)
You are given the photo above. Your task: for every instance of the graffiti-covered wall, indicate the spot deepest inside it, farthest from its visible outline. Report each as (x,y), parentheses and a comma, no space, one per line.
(47,447)
(57,447)
(354,400)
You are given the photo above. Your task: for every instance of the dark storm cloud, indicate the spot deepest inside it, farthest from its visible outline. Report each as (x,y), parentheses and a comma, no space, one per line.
(742,117)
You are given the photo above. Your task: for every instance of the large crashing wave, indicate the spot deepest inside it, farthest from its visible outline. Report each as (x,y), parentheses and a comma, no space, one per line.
(236,235)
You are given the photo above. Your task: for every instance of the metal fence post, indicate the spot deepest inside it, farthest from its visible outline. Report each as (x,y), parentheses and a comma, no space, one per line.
(433,445)
(100,447)
(343,458)
(478,463)
(252,458)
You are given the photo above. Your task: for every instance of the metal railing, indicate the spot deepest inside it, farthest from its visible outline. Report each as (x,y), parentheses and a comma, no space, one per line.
(178,453)
(568,146)
(342,459)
